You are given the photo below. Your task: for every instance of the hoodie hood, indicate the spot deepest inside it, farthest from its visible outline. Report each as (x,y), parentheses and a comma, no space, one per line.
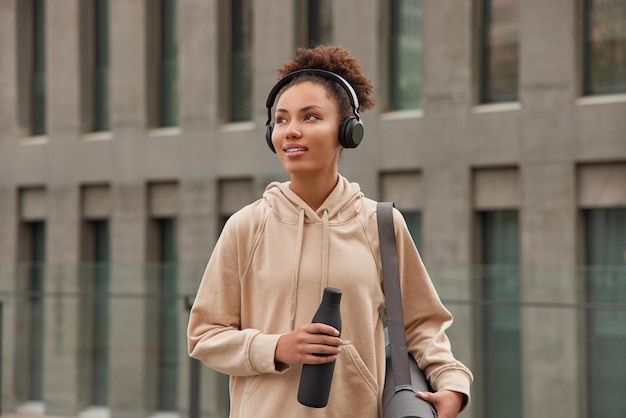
(341,205)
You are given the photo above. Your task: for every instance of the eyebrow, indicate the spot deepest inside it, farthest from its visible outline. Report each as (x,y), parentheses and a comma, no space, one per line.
(304,109)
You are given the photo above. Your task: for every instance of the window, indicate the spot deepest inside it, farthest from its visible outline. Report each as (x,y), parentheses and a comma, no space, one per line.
(499,58)
(604,46)
(31,39)
(405,59)
(314,25)
(501,324)
(162,63)
(405,190)
(97,286)
(167,316)
(34,236)
(95,65)
(94,284)
(605,232)
(237,54)
(163,204)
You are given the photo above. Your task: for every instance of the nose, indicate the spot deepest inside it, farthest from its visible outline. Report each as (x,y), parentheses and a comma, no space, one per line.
(293,130)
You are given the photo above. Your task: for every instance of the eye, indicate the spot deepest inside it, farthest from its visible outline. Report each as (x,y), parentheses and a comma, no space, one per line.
(311,116)
(280,119)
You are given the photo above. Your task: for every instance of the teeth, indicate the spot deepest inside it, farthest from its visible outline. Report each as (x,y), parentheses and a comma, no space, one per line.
(295,149)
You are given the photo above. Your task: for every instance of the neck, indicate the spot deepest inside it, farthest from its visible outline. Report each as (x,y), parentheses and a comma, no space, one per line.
(313,189)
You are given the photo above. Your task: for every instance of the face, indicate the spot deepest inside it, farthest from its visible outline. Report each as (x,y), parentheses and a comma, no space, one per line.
(306,130)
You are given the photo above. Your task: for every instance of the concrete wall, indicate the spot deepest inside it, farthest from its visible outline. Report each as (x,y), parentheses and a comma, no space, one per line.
(544,138)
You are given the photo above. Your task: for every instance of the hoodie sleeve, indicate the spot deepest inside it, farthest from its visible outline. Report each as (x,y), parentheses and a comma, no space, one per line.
(426,319)
(213,335)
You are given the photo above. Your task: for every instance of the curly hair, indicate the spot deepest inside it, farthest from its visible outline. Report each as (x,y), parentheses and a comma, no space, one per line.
(338,60)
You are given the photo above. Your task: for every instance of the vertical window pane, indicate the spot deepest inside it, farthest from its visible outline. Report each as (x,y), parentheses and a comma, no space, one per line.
(168,65)
(38,126)
(31,38)
(606,330)
(405,72)
(320,24)
(502,357)
(168,306)
(605,46)
(100,312)
(36,236)
(500,50)
(101,57)
(162,63)
(241,61)
(94,42)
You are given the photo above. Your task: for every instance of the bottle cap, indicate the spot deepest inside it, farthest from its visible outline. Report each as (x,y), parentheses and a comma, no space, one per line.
(332,295)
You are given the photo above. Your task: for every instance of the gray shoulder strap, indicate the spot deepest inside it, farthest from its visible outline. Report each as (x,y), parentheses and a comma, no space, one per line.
(393,295)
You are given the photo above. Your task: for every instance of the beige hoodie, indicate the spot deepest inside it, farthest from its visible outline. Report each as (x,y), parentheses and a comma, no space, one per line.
(266,276)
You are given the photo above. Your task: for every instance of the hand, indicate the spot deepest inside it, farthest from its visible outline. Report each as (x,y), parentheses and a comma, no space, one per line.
(309,344)
(447,402)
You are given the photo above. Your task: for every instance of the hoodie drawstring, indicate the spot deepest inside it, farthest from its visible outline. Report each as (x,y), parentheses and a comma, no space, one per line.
(295,273)
(296,268)
(325,251)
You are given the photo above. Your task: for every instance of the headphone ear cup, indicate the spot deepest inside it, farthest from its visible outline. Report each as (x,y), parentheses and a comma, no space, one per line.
(351,132)
(268,137)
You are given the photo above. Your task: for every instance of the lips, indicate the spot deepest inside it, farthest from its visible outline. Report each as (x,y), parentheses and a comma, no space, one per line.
(294,148)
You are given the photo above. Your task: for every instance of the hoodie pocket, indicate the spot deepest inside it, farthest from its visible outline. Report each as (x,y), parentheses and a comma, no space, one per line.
(354,391)
(357,371)
(254,382)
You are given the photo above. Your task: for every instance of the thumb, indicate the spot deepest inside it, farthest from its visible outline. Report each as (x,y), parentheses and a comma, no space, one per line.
(427,396)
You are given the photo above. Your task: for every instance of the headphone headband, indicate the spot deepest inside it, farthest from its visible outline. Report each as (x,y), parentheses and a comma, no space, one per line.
(354,100)
(351,130)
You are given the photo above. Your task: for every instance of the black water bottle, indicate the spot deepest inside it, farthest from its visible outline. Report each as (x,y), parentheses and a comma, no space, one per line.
(316,378)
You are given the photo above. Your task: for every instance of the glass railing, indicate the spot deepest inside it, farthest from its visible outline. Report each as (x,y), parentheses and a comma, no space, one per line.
(112,338)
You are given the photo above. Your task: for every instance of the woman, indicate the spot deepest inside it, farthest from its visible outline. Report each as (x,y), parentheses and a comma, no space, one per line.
(264,281)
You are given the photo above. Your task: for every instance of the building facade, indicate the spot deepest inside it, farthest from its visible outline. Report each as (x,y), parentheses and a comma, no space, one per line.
(131,129)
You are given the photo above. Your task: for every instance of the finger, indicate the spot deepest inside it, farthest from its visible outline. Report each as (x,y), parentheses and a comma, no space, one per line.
(323,339)
(319,328)
(427,396)
(320,359)
(324,349)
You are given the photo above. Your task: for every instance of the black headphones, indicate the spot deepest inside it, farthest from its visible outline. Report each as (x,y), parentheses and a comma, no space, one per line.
(351,129)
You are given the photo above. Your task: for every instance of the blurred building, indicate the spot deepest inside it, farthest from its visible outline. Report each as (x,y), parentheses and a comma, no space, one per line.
(131,129)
